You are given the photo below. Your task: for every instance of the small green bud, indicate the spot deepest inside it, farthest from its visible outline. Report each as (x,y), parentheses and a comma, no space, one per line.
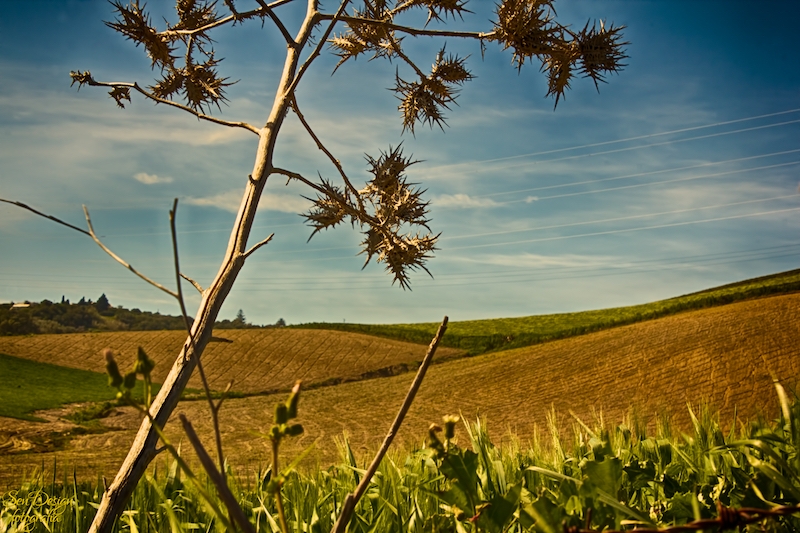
(433,441)
(144,365)
(275,433)
(273,486)
(114,376)
(281,413)
(129,381)
(450,422)
(294,430)
(291,402)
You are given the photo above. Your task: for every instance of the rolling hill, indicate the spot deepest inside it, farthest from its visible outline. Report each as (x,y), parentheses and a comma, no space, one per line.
(257,360)
(726,355)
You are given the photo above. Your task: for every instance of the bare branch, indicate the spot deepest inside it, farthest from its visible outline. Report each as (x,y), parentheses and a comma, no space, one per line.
(193,282)
(352,499)
(50,217)
(286,35)
(121,261)
(153,97)
(227,20)
(206,388)
(322,40)
(413,31)
(295,176)
(258,245)
(216,477)
(327,152)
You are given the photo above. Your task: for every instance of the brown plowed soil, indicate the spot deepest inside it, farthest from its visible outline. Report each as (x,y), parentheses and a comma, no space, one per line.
(726,356)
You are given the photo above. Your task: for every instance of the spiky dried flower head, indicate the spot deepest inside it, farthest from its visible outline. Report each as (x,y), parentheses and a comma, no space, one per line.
(385,209)
(119,94)
(195,14)
(437,9)
(529,28)
(425,100)
(328,209)
(526,26)
(197,81)
(601,51)
(366,37)
(134,23)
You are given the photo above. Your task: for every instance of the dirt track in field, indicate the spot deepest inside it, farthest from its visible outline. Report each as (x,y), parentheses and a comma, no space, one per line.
(257,360)
(725,355)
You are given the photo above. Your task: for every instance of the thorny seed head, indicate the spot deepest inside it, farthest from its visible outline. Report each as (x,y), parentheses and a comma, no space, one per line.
(386,206)
(601,51)
(438,10)
(134,23)
(364,37)
(527,27)
(424,100)
(81,78)
(328,209)
(119,94)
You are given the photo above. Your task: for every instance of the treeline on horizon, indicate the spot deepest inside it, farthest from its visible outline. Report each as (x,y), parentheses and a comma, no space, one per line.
(30,318)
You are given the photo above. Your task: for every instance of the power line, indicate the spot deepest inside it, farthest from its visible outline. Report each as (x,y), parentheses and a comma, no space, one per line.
(640,174)
(636,138)
(617,219)
(627,230)
(628,149)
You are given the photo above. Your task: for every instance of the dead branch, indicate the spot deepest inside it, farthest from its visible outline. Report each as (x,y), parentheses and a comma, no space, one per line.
(322,40)
(352,499)
(258,245)
(121,261)
(193,282)
(50,217)
(413,31)
(327,152)
(286,35)
(217,478)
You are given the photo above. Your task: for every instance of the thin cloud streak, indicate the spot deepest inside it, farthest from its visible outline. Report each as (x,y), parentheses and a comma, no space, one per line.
(628,230)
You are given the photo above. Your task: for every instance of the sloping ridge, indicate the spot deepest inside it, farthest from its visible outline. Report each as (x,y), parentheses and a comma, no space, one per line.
(726,356)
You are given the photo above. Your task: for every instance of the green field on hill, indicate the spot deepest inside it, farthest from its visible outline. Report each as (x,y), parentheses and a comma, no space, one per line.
(481,336)
(29,386)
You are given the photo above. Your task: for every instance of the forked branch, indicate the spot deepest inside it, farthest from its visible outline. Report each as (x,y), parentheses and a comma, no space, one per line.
(327,152)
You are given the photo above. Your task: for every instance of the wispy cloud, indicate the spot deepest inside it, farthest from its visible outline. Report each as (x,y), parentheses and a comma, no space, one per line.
(462,201)
(151,179)
(528,260)
(230,201)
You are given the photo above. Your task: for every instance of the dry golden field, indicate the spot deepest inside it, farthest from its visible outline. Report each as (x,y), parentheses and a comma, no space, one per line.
(257,360)
(725,355)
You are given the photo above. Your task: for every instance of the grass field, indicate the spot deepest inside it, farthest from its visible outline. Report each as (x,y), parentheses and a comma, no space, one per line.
(726,355)
(30,386)
(481,336)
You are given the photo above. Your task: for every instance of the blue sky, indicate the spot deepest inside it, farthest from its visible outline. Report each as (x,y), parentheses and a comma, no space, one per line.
(680,174)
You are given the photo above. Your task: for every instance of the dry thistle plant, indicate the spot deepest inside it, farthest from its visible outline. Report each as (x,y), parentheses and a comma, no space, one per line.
(390,212)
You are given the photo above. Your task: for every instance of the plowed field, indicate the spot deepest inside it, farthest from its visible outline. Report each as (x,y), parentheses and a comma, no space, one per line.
(257,360)
(725,355)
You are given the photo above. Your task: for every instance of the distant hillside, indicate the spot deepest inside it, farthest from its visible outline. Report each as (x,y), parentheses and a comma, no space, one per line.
(64,317)
(481,336)
(726,355)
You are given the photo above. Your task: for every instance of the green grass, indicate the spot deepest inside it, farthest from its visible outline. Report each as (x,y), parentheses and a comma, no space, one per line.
(27,386)
(600,476)
(481,336)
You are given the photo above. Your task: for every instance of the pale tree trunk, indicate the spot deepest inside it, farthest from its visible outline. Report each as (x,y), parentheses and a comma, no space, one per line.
(144,446)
